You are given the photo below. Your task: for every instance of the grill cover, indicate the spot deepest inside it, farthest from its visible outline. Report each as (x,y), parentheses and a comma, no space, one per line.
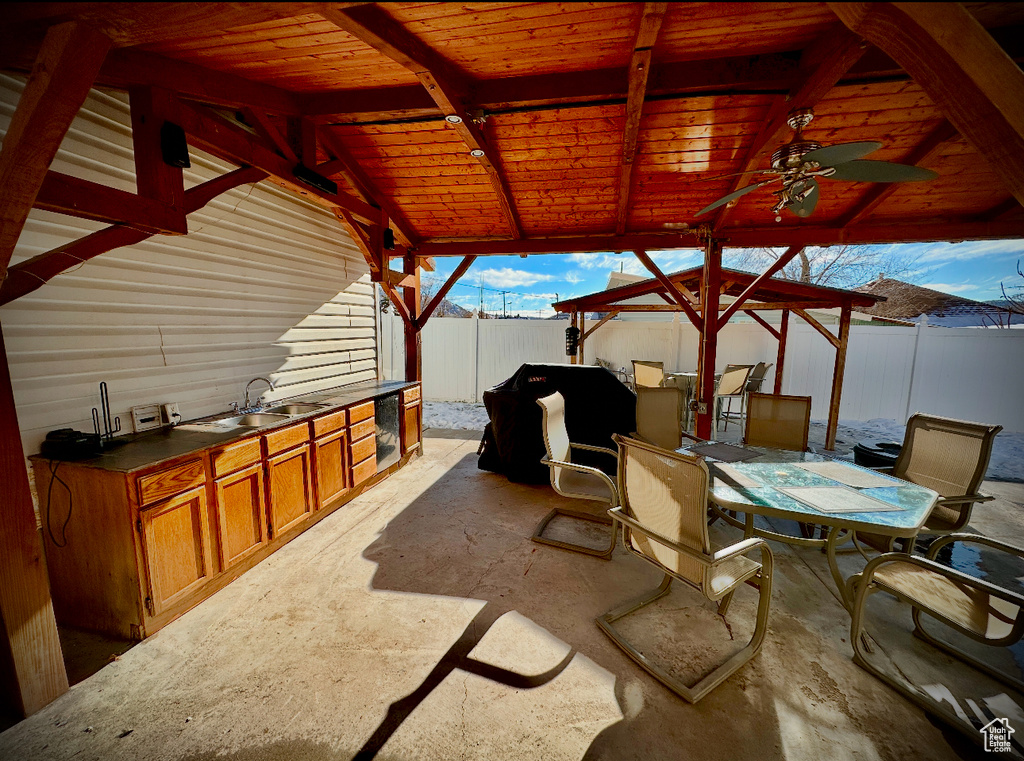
(596,406)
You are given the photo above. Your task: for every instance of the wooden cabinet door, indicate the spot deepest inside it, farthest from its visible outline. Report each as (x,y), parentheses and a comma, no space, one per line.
(241,514)
(176,548)
(289,489)
(410,427)
(330,467)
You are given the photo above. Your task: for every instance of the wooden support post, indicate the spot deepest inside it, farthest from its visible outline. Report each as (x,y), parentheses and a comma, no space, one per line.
(28,630)
(583,336)
(780,358)
(413,337)
(66,67)
(572,321)
(154,178)
(710,287)
(837,377)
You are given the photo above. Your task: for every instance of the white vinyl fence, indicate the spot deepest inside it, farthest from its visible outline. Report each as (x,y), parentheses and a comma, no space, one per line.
(967,373)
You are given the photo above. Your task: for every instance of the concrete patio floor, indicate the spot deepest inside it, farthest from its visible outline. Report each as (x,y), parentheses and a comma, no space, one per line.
(426,596)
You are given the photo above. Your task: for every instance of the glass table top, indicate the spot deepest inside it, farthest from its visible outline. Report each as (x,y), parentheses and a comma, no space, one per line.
(755,485)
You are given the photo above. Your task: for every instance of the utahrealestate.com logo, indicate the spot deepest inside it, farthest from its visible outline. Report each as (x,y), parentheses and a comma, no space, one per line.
(997,735)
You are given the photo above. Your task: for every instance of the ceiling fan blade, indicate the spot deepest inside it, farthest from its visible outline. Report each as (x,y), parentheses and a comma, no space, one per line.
(732,197)
(881,171)
(806,206)
(833,155)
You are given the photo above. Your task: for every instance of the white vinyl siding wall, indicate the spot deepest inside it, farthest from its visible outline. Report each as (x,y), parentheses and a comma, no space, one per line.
(264,284)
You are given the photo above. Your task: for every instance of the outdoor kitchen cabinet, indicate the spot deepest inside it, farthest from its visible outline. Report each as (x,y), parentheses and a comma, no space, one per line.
(289,478)
(147,539)
(412,414)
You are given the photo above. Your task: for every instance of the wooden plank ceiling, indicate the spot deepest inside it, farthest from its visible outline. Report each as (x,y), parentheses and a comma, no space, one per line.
(595,119)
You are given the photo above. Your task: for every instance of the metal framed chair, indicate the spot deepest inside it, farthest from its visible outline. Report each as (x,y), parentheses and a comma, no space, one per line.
(663,517)
(948,456)
(572,480)
(648,374)
(779,421)
(732,385)
(659,416)
(754,382)
(975,608)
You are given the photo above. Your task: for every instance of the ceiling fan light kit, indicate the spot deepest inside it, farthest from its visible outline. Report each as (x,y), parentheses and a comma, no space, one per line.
(799,163)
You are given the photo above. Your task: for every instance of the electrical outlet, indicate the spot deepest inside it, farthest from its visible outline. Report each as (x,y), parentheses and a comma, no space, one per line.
(171,414)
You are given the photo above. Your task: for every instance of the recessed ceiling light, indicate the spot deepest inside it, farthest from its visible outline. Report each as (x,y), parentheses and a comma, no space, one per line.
(476,153)
(453,119)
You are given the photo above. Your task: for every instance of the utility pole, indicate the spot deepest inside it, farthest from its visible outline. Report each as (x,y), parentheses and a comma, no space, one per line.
(504,314)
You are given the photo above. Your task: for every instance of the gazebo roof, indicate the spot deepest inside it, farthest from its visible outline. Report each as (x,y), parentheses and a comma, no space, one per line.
(771,293)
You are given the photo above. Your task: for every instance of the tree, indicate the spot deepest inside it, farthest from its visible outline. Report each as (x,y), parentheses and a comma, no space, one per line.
(1015,297)
(833,266)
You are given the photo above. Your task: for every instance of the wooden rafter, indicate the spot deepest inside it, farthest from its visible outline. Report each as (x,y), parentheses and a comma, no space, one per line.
(1001,210)
(64,72)
(31,274)
(75,197)
(925,151)
(749,291)
(821,67)
(222,139)
(362,237)
(265,128)
(556,245)
(975,84)
(639,72)
(460,270)
(670,287)
(358,177)
(610,316)
(445,84)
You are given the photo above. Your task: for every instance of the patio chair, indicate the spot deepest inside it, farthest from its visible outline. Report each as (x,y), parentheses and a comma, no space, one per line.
(648,374)
(659,416)
(948,456)
(572,480)
(973,607)
(756,379)
(732,385)
(778,421)
(663,519)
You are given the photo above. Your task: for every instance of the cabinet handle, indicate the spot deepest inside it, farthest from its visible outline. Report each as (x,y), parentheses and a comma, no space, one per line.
(149,605)
(138,525)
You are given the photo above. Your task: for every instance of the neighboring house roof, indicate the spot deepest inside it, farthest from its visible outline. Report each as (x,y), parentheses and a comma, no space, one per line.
(906,301)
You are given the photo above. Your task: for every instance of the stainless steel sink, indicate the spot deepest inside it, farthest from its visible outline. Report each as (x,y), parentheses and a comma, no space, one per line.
(294,409)
(253,419)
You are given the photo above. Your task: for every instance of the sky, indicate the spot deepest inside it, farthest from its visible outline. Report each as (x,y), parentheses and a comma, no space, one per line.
(972,269)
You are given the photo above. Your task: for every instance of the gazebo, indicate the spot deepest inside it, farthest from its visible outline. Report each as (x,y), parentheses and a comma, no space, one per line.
(709,296)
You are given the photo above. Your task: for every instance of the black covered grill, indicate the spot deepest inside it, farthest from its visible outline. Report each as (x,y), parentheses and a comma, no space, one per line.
(596,406)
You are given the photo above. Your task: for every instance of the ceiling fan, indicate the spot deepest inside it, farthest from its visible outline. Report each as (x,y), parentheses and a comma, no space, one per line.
(799,163)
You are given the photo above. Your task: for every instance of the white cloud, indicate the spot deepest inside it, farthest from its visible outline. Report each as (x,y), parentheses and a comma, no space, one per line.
(506,277)
(667,261)
(573,277)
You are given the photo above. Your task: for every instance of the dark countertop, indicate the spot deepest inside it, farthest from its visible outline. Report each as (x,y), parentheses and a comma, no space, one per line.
(143,450)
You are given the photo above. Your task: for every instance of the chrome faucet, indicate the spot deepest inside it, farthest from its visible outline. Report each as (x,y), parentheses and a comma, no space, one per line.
(257,378)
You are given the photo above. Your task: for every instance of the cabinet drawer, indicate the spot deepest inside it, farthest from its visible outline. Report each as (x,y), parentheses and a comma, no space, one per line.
(328,423)
(361,430)
(360,412)
(364,471)
(286,438)
(363,448)
(410,395)
(164,483)
(235,457)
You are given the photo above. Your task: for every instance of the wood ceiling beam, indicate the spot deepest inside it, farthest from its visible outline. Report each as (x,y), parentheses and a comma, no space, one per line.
(821,66)
(64,71)
(445,84)
(670,288)
(771,72)
(562,245)
(215,135)
(925,151)
(266,129)
(359,178)
(972,81)
(639,71)
(777,266)
(150,109)
(31,274)
(921,231)
(64,194)
(1001,210)
(127,24)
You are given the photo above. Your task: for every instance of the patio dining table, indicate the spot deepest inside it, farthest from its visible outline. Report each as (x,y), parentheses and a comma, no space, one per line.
(811,488)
